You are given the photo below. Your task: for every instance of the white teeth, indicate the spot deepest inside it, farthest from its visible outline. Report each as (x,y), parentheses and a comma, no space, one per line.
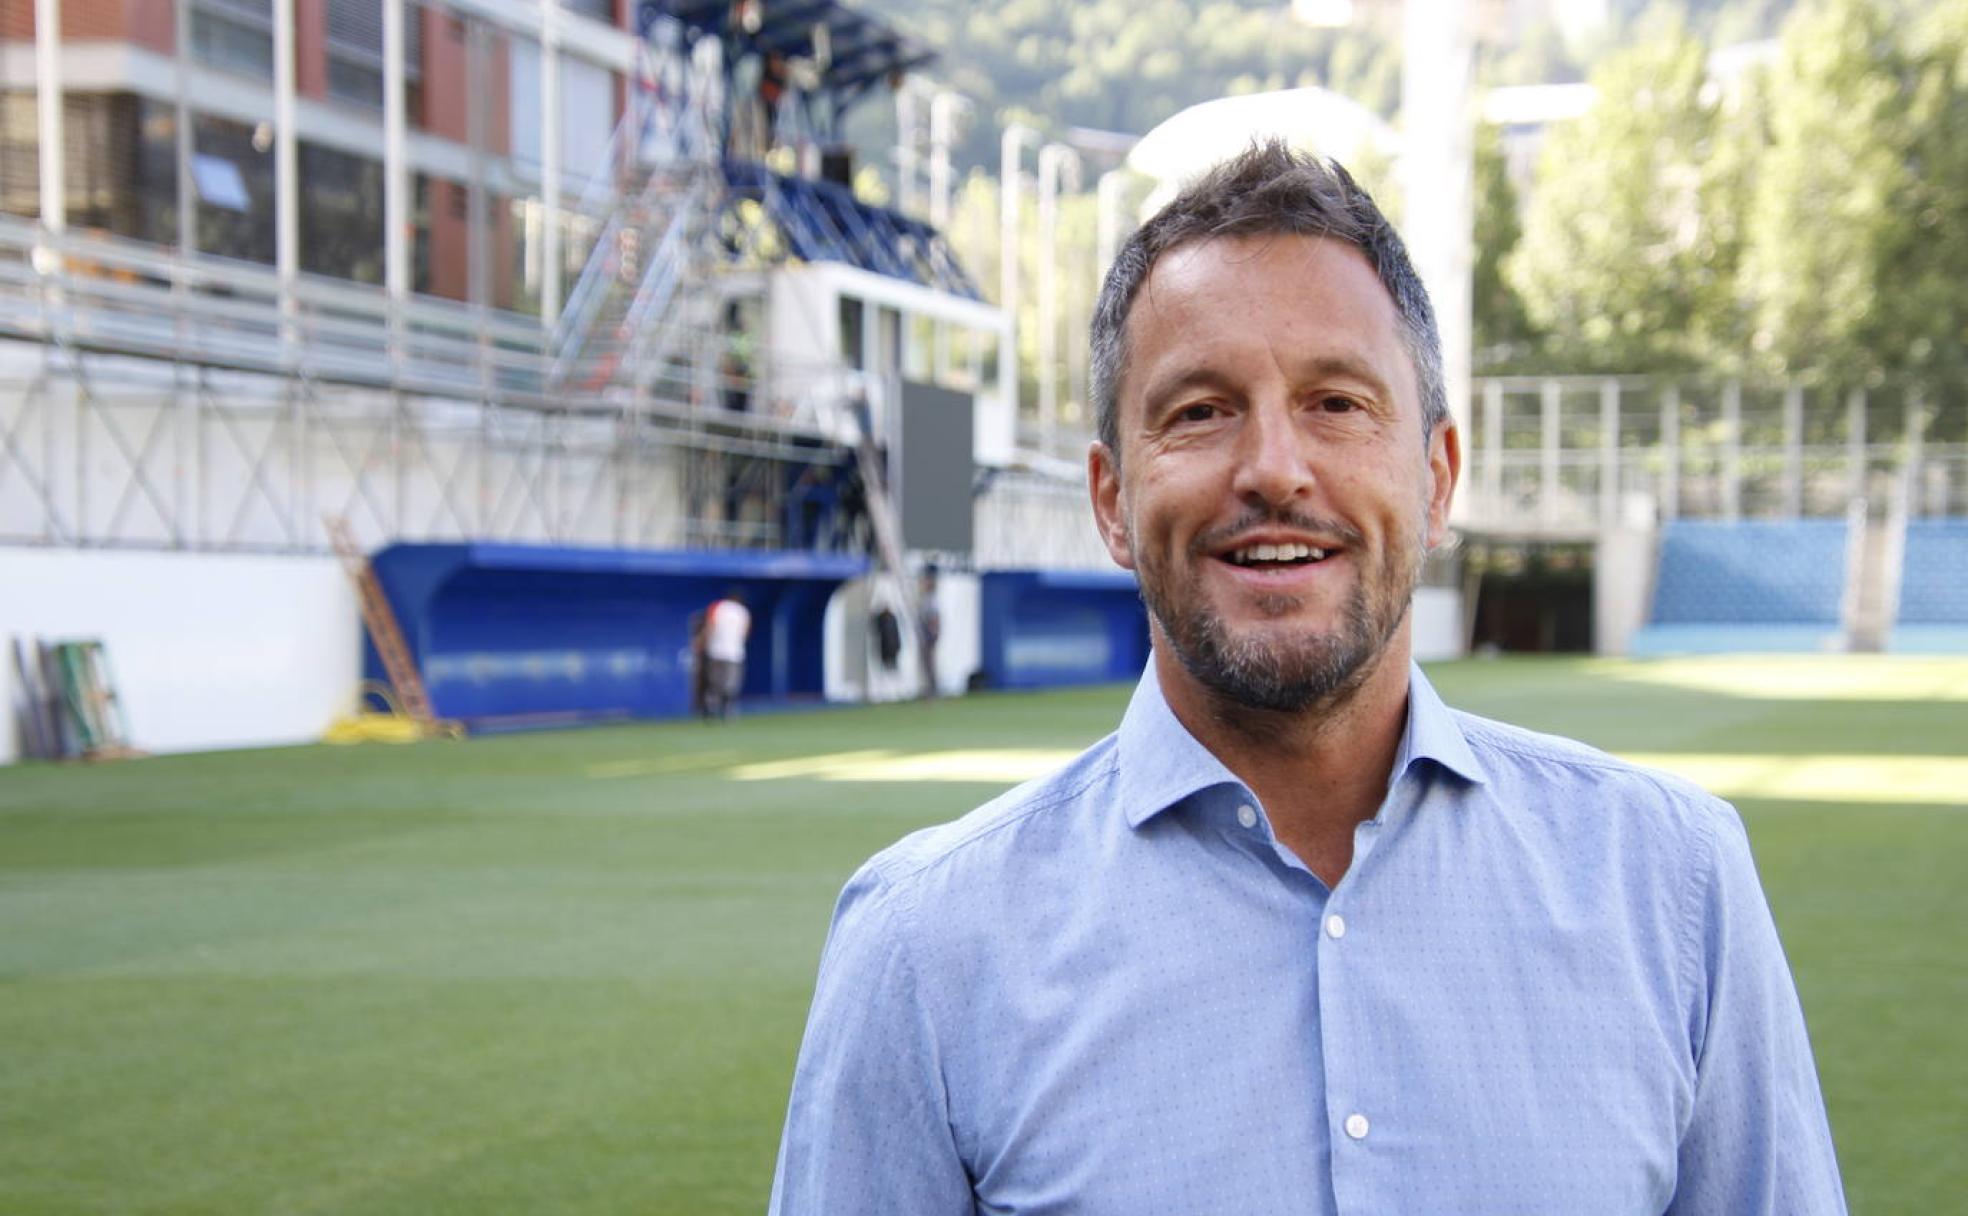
(1276,553)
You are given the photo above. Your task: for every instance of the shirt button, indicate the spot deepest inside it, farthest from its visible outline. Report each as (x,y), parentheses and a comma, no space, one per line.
(1356,1126)
(1247,815)
(1335,926)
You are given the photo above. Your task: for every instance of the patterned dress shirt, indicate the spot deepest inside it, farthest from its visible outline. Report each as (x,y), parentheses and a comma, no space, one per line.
(1547,984)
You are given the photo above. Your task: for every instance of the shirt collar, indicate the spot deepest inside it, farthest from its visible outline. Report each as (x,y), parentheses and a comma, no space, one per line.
(1434,734)
(1161,763)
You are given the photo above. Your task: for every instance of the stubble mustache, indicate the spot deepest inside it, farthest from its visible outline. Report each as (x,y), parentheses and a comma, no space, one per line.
(1221,536)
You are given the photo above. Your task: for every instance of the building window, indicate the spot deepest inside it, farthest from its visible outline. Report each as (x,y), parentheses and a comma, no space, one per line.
(600,10)
(234,34)
(355,50)
(232,174)
(119,163)
(587,114)
(20,165)
(341,214)
(440,260)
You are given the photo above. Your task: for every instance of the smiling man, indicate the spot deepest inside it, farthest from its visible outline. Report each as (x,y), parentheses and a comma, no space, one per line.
(1298,938)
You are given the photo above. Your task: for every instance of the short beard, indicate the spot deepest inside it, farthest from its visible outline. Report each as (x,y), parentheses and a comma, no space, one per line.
(1291,675)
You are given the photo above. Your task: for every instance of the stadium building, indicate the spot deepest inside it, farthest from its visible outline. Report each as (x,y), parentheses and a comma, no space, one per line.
(569,314)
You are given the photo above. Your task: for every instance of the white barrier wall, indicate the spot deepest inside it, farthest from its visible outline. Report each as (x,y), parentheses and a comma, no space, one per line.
(207,650)
(213,650)
(852,672)
(1437,624)
(1622,586)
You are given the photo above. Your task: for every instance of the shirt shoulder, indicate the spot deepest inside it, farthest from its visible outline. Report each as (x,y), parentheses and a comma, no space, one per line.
(996,834)
(1514,755)
(1653,829)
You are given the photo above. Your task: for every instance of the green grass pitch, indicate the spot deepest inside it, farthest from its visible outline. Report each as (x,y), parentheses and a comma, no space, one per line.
(566,972)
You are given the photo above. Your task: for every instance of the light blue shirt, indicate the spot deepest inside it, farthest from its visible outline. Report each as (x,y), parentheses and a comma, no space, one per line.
(1549,983)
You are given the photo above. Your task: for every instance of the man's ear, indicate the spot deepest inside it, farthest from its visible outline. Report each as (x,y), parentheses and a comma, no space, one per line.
(1444,470)
(1109,515)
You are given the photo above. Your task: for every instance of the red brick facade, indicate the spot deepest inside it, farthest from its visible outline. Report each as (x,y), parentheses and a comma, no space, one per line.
(442,105)
(147,23)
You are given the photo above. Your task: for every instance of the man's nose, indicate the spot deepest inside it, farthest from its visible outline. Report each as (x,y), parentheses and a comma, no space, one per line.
(1274,457)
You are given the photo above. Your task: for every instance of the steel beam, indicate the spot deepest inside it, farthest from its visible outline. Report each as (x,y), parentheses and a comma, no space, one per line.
(286,170)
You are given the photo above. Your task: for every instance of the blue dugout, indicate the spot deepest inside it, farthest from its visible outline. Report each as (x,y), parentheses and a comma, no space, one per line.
(517,633)
(1044,628)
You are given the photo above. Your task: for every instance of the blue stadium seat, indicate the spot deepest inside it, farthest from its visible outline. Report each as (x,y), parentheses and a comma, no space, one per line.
(1933,614)
(1747,586)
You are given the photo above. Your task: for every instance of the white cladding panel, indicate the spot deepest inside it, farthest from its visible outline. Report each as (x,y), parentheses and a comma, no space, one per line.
(1438,625)
(207,650)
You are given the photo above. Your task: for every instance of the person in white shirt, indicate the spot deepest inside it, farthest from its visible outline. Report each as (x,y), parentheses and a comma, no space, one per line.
(726,626)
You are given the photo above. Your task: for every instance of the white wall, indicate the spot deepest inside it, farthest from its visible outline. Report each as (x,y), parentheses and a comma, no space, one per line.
(207,650)
(851,670)
(1437,624)
(1622,586)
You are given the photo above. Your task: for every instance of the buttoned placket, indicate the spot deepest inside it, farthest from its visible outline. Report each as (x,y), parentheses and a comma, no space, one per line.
(1349,1097)
(1351,1124)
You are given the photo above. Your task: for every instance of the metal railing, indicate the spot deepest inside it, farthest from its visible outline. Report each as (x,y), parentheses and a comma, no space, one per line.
(1574,455)
(112,294)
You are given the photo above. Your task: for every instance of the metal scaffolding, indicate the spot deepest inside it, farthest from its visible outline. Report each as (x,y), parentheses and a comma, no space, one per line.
(152,401)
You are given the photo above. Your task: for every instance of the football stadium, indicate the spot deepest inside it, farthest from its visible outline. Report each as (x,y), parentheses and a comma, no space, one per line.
(393,393)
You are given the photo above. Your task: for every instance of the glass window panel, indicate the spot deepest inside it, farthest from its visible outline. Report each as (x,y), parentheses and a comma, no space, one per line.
(235,151)
(234,34)
(341,218)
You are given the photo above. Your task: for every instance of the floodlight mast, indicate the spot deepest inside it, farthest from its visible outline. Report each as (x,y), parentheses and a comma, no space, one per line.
(1058,164)
(1107,195)
(906,156)
(1438,136)
(1437,132)
(1010,187)
(943,110)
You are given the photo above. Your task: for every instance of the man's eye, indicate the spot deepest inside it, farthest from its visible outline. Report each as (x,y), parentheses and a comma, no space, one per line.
(1201,411)
(1338,405)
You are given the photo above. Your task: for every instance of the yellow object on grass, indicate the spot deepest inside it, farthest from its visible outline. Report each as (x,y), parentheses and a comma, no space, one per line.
(373,728)
(367,726)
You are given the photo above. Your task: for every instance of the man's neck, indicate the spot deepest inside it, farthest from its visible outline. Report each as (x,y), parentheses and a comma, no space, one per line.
(1320,771)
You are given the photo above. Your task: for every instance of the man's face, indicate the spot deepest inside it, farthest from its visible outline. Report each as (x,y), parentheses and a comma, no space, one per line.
(1273,492)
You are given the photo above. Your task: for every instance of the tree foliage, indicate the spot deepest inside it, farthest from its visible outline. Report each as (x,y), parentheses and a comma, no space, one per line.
(1857,263)
(1620,265)
(1801,219)
(1503,331)
(1126,65)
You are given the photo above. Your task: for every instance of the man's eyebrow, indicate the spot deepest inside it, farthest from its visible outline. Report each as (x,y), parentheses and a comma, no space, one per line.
(1346,367)
(1321,367)
(1159,393)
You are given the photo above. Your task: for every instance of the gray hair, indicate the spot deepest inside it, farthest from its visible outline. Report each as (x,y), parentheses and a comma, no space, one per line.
(1267,189)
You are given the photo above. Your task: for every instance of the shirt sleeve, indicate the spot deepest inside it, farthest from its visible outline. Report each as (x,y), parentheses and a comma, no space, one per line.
(867,1127)
(1757,1143)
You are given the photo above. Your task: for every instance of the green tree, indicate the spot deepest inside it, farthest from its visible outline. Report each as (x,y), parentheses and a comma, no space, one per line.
(1125,65)
(1503,334)
(1619,262)
(1856,262)
(1825,201)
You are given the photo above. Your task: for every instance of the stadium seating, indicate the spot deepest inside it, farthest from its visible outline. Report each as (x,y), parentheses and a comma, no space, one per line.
(1933,616)
(1747,586)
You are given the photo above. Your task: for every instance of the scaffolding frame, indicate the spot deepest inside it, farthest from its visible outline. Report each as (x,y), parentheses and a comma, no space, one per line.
(153,401)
